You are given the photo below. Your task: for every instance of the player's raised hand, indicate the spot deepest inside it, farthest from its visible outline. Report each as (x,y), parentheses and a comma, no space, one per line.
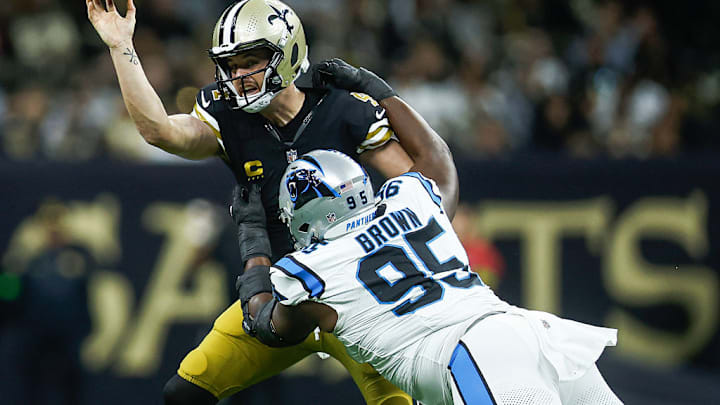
(114,29)
(338,73)
(249,215)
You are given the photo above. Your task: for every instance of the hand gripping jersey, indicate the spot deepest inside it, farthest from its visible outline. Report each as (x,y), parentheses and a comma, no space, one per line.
(257,151)
(400,283)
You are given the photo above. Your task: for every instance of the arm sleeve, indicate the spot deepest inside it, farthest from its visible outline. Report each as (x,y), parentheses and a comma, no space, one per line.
(368,123)
(294,282)
(202,110)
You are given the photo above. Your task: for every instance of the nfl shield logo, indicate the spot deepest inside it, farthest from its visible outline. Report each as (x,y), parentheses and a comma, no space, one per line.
(331,217)
(291,155)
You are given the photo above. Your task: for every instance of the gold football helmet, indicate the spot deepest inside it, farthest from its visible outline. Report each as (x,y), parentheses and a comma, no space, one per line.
(251,24)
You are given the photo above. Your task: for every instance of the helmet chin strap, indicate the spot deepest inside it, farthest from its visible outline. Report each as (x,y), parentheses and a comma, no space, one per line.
(256,102)
(263,101)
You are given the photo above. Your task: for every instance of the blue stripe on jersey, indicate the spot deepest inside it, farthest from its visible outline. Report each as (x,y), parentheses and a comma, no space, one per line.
(278,296)
(311,282)
(428,187)
(468,378)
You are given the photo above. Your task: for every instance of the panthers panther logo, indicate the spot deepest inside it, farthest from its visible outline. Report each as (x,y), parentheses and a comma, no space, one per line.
(303,185)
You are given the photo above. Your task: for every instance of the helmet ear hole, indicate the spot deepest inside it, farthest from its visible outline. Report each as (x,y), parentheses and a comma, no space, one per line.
(304,227)
(294,56)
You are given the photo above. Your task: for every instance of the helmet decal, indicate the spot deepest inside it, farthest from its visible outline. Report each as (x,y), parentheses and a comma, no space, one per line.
(303,186)
(281,15)
(331,217)
(313,162)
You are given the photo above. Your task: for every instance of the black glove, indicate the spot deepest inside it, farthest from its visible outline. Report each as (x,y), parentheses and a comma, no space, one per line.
(338,73)
(249,215)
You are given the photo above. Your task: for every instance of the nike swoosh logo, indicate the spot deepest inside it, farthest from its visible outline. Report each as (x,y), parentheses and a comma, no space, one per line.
(380,114)
(205,103)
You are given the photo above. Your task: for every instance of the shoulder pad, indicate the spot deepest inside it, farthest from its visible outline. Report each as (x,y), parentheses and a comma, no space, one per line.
(210,108)
(412,184)
(210,99)
(366,119)
(295,281)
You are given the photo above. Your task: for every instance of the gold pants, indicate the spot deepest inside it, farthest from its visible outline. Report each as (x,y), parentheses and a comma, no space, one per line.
(228,361)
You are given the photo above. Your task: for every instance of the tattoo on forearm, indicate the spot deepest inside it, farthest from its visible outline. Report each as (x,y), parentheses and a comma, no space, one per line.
(133,56)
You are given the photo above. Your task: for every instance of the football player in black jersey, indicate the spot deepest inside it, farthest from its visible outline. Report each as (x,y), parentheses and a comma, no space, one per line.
(257,120)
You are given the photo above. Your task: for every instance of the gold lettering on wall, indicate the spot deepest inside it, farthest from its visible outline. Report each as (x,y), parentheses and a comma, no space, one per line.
(110,302)
(165,301)
(633,281)
(540,226)
(130,324)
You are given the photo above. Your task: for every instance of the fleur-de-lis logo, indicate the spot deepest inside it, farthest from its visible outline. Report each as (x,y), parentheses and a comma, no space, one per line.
(282,15)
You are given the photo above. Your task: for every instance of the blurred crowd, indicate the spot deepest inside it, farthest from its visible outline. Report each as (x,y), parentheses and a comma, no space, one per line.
(495,78)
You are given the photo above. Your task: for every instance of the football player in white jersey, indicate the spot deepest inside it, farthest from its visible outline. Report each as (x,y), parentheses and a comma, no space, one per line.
(388,276)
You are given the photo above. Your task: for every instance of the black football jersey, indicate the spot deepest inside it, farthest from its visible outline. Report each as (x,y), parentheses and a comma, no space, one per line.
(259,152)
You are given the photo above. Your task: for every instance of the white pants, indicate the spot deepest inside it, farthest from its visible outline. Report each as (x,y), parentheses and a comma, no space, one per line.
(530,357)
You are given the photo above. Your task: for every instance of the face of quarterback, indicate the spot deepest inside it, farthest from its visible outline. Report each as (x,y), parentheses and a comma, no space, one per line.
(254,60)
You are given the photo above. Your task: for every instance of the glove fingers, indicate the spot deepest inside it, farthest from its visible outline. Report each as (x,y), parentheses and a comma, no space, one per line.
(236,192)
(316,77)
(338,62)
(325,65)
(254,196)
(321,74)
(333,66)
(338,73)
(323,71)
(341,63)
(239,194)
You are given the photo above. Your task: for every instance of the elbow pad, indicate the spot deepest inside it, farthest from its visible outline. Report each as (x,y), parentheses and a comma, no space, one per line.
(265,331)
(254,281)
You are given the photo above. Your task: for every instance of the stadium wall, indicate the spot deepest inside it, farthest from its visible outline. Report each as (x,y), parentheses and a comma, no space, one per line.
(626,244)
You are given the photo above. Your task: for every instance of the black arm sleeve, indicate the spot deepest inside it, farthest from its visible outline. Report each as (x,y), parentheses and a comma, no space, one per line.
(254,281)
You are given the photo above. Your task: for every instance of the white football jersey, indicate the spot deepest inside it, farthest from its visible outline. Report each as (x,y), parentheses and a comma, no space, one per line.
(400,283)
